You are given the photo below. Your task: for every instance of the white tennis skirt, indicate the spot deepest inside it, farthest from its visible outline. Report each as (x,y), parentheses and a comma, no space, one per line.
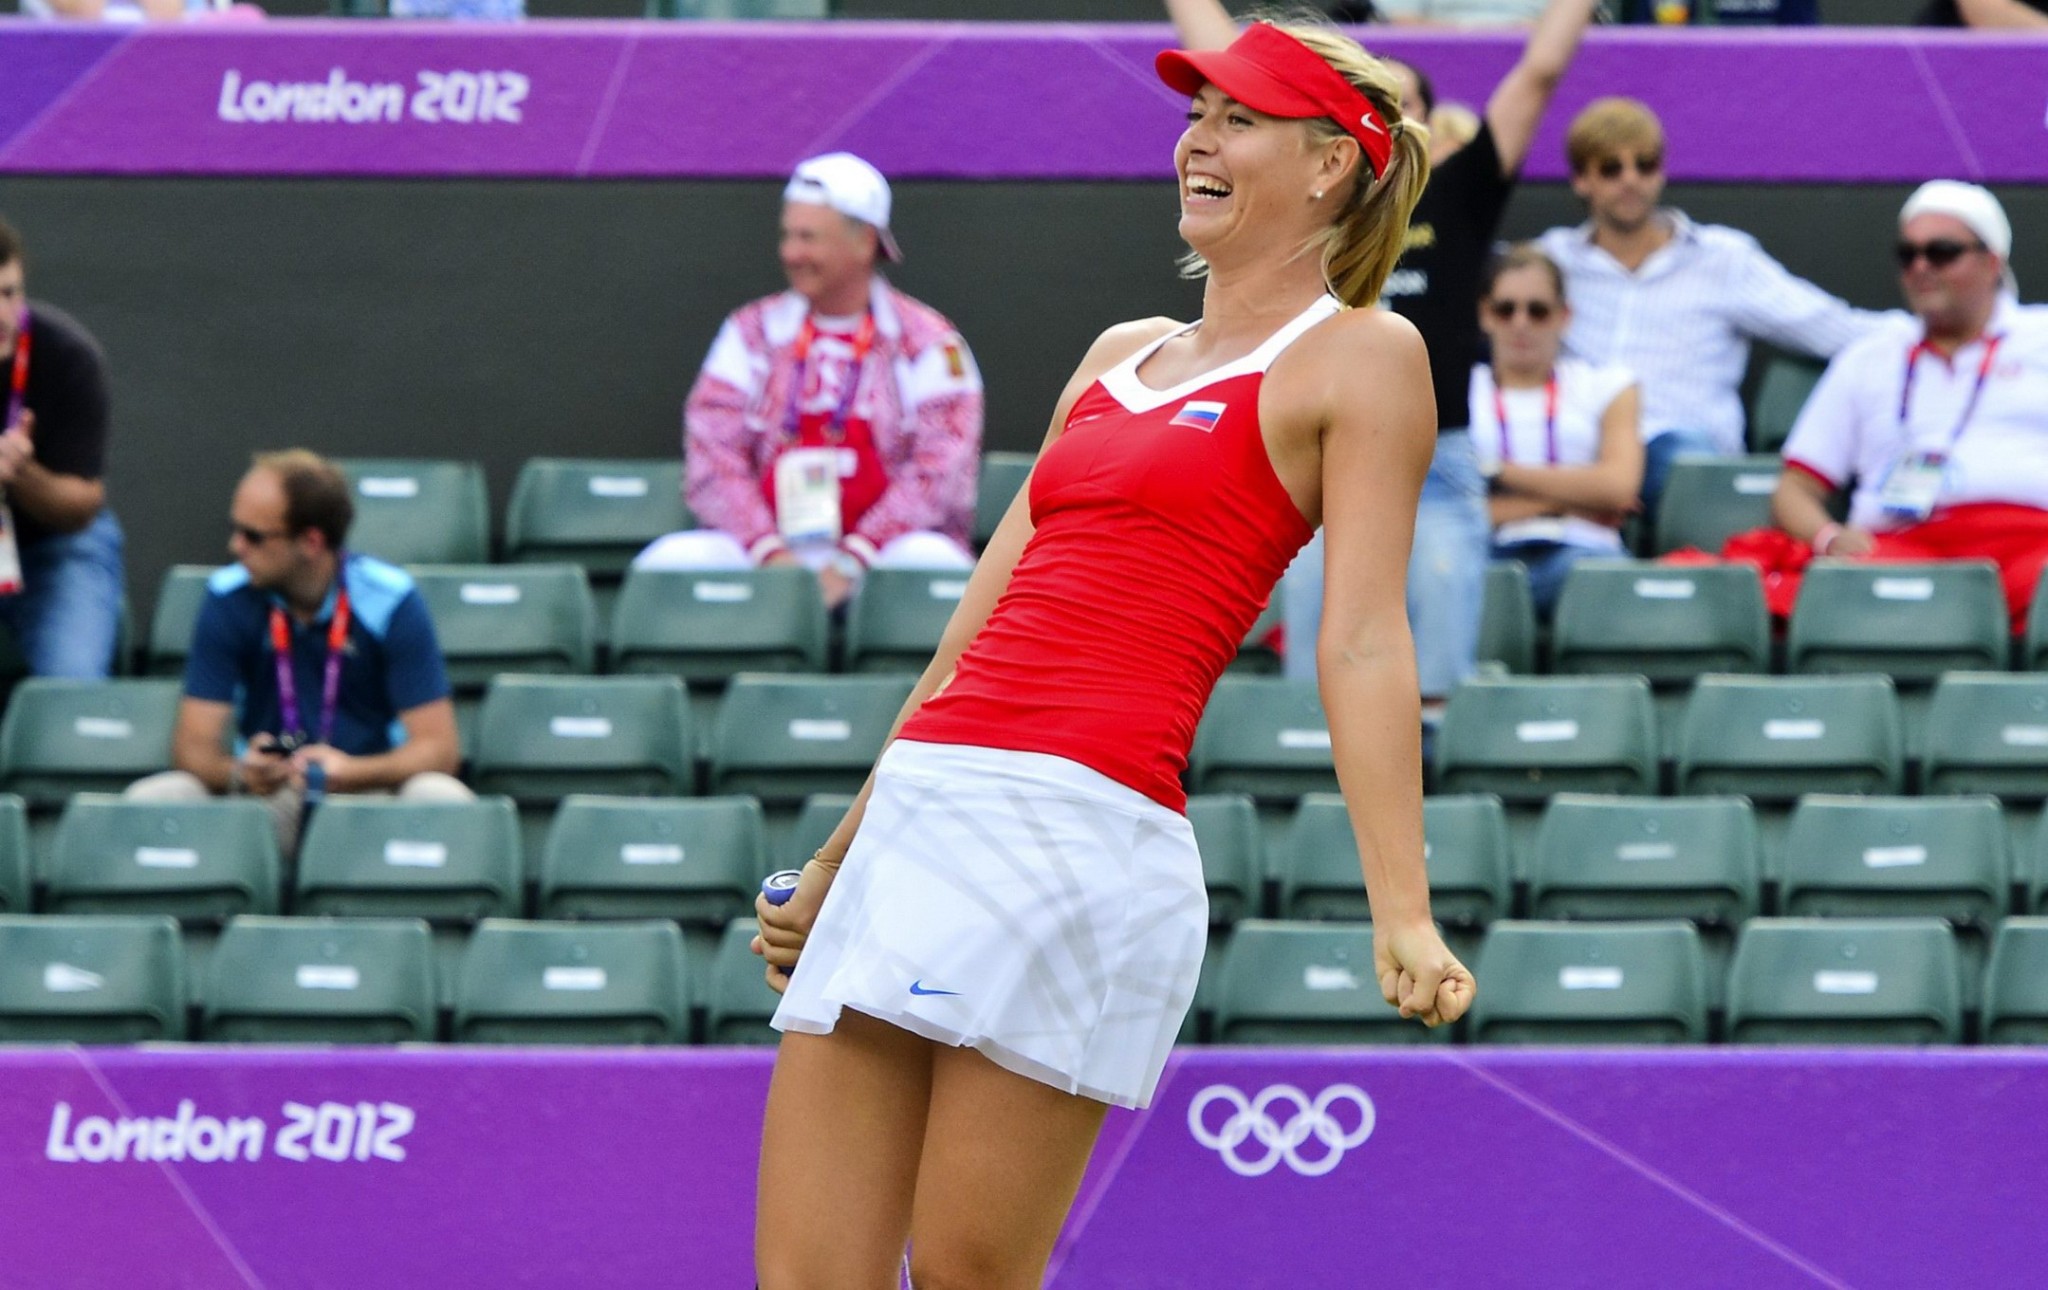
(1019,904)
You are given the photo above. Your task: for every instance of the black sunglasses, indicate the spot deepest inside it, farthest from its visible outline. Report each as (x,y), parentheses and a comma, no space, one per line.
(1646,163)
(1939,253)
(1504,310)
(255,537)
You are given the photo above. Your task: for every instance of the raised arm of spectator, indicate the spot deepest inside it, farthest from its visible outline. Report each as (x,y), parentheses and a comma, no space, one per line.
(1518,102)
(936,489)
(2000,13)
(720,481)
(1201,24)
(1774,305)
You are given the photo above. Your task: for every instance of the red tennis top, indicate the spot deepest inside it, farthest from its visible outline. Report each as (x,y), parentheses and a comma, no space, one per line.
(1159,532)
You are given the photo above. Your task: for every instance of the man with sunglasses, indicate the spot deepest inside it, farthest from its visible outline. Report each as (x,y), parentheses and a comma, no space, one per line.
(1938,424)
(323,662)
(1676,302)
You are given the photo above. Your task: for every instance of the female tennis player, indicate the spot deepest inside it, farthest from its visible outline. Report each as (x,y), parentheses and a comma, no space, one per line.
(1003,936)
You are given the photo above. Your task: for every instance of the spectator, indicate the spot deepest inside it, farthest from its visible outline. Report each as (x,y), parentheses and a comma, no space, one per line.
(324,662)
(1675,302)
(61,575)
(1459,13)
(1994,14)
(838,424)
(1938,425)
(460,10)
(112,10)
(1557,438)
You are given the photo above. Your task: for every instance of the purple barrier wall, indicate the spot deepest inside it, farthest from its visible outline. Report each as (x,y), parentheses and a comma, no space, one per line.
(1465,1168)
(974,101)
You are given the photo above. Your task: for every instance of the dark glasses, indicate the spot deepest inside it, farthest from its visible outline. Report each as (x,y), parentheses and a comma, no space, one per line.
(1939,253)
(1646,163)
(1539,311)
(254,537)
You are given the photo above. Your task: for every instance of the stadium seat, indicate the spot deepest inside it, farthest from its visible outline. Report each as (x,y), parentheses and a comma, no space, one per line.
(1307,983)
(1667,623)
(1001,475)
(572,983)
(2016,986)
(178,598)
(1466,845)
(2034,646)
(1525,738)
(593,511)
(449,863)
(320,980)
(1778,737)
(61,737)
(1591,983)
(1645,858)
(1263,736)
(1910,621)
(1987,732)
(2030,876)
(17,888)
(85,979)
(1507,618)
(1786,384)
(419,511)
(697,861)
(1226,829)
(706,626)
(1710,499)
(200,862)
(782,738)
(895,623)
(1872,857)
(1845,981)
(542,738)
(509,618)
(740,1001)
(811,828)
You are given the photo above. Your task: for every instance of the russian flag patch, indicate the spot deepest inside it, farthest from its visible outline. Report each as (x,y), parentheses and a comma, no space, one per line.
(1202,416)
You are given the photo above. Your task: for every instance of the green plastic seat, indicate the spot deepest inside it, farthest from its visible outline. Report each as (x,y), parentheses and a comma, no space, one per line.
(1874,857)
(450,863)
(1465,844)
(86,979)
(1263,736)
(811,828)
(1645,858)
(895,623)
(1525,738)
(1002,475)
(1987,732)
(201,862)
(17,888)
(2034,645)
(2016,984)
(1786,384)
(593,511)
(1910,621)
(2030,877)
(572,983)
(542,738)
(320,980)
(1776,738)
(705,626)
(1307,983)
(178,598)
(740,1001)
(1507,618)
(782,738)
(1667,623)
(61,737)
(1845,981)
(698,861)
(1708,500)
(1226,827)
(418,511)
(1255,654)
(492,618)
(1591,983)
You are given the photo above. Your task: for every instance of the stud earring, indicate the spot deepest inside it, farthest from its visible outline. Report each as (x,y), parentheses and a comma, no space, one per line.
(1319,194)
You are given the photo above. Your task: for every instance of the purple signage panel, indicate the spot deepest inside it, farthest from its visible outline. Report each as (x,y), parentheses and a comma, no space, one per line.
(968,101)
(1467,1168)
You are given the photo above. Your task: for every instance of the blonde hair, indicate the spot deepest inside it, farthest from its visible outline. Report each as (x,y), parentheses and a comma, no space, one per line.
(1610,127)
(1365,238)
(1454,122)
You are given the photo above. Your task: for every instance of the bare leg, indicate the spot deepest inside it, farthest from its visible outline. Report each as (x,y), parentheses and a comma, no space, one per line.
(839,1152)
(1003,1157)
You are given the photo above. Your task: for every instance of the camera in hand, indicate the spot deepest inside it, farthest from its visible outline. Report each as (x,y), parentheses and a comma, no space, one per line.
(283,745)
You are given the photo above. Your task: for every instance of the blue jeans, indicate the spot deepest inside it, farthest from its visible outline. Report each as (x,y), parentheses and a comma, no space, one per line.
(68,615)
(1547,563)
(1658,454)
(1446,576)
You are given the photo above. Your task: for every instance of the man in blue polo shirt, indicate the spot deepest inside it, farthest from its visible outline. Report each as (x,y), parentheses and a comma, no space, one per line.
(324,662)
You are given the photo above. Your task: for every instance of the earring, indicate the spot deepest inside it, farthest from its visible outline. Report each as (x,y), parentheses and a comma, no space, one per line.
(1319,194)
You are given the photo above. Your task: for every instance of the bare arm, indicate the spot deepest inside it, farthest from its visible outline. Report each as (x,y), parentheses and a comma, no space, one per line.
(1610,483)
(2000,13)
(79,10)
(1201,24)
(1518,102)
(431,744)
(1800,507)
(199,742)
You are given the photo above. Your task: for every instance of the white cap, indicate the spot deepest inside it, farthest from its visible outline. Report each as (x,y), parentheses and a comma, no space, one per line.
(848,185)
(1978,210)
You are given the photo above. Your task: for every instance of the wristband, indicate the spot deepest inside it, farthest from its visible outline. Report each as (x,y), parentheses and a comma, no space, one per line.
(1825,537)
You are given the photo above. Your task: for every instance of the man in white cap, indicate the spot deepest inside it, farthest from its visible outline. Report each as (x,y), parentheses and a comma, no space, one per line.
(1938,423)
(836,424)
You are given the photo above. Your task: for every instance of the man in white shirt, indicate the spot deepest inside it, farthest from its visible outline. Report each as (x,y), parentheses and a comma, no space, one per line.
(1938,422)
(1674,301)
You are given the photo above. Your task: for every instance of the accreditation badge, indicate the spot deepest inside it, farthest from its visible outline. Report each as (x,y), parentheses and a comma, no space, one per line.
(1913,485)
(10,553)
(807,495)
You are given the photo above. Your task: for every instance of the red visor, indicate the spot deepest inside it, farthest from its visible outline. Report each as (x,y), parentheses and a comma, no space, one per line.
(1270,71)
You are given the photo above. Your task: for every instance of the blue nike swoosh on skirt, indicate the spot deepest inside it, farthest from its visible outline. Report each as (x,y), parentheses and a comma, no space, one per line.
(917,987)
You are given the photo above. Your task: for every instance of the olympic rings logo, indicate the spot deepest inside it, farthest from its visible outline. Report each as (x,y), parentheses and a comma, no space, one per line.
(1253,1120)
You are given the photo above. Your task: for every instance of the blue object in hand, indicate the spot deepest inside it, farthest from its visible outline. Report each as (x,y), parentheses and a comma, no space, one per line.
(779,886)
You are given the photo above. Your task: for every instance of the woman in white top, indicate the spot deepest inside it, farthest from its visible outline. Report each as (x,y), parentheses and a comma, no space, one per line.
(1558,439)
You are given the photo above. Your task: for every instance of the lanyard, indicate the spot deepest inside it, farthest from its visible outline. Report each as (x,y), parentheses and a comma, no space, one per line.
(330,686)
(863,341)
(1500,415)
(1991,345)
(17,388)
